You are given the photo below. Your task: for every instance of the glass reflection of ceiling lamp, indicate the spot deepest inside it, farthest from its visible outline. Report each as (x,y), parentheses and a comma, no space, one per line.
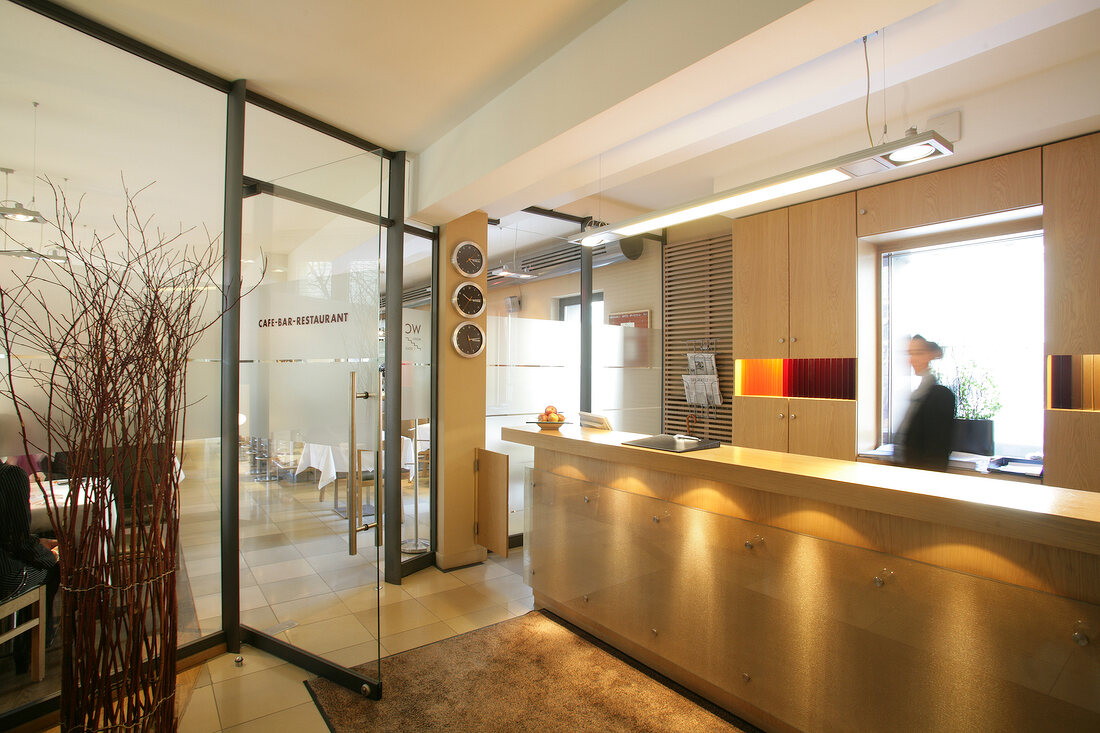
(913,148)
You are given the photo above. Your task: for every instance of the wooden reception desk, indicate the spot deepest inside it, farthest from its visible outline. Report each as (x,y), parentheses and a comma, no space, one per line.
(812,594)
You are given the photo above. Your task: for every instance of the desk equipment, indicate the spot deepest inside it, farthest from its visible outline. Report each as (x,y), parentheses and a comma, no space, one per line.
(674,443)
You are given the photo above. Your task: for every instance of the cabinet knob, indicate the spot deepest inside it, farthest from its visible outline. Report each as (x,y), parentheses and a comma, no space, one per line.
(781,416)
(793,416)
(780,339)
(793,339)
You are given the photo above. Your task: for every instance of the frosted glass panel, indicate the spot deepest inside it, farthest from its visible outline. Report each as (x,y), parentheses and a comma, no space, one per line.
(626,377)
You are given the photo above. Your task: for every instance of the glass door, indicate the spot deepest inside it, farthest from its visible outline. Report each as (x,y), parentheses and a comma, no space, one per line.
(309,425)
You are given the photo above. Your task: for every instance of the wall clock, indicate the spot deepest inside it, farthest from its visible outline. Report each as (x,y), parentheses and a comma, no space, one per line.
(469,299)
(468,258)
(468,339)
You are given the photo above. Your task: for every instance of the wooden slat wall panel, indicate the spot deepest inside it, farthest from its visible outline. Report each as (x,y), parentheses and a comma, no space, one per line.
(697,296)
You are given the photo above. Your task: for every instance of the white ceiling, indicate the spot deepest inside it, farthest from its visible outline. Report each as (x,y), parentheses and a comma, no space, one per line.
(504,105)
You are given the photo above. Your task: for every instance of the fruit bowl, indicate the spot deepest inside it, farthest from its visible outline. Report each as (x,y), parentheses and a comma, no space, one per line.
(545,425)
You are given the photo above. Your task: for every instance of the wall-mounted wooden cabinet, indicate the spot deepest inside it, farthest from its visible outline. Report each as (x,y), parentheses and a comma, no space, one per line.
(824,428)
(794,282)
(794,296)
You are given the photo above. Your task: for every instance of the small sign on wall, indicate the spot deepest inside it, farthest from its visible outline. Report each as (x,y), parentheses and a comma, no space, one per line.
(634,319)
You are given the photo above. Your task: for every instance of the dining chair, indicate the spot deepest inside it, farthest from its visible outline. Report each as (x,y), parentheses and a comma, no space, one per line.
(36,625)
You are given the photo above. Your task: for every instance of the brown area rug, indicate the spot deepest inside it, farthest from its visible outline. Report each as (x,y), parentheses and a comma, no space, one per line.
(527,673)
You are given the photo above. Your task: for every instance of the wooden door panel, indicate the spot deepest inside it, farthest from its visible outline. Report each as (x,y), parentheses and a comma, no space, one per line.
(823,278)
(823,428)
(760,422)
(760,313)
(492,501)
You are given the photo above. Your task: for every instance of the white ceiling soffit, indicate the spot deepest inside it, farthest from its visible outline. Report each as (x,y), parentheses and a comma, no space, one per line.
(805,65)
(647,64)
(397,73)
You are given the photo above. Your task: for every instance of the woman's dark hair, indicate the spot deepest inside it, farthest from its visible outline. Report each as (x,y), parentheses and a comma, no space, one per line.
(937,351)
(15,513)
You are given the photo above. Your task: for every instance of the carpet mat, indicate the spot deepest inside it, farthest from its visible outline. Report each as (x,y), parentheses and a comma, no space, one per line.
(526,674)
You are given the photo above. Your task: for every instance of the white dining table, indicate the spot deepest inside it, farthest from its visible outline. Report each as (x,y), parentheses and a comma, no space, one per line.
(59,490)
(330,460)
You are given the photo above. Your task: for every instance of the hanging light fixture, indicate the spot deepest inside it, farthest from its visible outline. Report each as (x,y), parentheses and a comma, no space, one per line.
(911,149)
(513,272)
(11,209)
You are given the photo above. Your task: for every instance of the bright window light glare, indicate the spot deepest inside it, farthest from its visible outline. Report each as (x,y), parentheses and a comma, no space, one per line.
(912,152)
(737,201)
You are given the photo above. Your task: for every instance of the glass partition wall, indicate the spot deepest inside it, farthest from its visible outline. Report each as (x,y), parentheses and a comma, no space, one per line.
(310,392)
(314,225)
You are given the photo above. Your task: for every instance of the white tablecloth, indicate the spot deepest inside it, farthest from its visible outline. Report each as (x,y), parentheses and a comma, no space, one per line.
(333,459)
(40,516)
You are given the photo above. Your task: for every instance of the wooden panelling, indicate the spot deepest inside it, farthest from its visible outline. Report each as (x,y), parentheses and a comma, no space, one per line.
(760,422)
(760,286)
(822,254)
(461,407)
(999,184)
(1071,454)
(825,428)
(697,304)
(492,501)
(1071,220)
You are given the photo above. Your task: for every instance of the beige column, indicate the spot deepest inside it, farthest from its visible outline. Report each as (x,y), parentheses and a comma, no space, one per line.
(461,406)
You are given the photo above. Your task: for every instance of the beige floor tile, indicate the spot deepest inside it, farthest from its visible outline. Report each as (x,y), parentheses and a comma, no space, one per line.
(208,606)
(255,530)
(293,589)
(480,573)
(478,619)
(245,698)
(201,715)
(303,718)
(222,668)
(211,625)
(324,546)
(204,677)
(194,553)
(364,597)
(252,597)
(504,589)
(413,638)
(340,560)
(309,610)
(330,634)
(205,566)
(344,578)
(398,617)
(205,585)
(282,571)
(520,607)
(353,656)
(259,618)
(264,542)
(458,602)
(271,555)
(429,581)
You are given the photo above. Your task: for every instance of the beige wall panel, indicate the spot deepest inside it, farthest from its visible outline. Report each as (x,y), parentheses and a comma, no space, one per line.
(822,254)
(1008,182)
(461,407)
(760,295)
(1071,449)
(1071,222)
(760,422)
(824,428)
(492,501)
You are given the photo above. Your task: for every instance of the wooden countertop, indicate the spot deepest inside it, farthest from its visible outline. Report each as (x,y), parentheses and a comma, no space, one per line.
(1049,515)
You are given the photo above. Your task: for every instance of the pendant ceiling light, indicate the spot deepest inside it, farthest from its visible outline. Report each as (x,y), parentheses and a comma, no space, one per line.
(513,271)
(909,150)
(11,209)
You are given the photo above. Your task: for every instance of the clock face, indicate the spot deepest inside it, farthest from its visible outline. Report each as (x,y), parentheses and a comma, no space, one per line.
(468,339)
(469,299)
(468,259)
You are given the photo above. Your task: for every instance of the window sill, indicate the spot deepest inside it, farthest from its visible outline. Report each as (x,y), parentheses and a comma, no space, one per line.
(966,464)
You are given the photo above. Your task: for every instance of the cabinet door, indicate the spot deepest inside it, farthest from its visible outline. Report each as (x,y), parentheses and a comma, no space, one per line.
(824,428)
(1071,223)
(823,278)
(760,316)
(760,422)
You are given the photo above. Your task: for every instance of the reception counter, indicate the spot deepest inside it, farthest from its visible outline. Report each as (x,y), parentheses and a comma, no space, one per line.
(812,594)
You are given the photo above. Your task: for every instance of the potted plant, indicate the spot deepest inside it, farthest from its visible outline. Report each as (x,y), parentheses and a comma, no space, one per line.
(977,401)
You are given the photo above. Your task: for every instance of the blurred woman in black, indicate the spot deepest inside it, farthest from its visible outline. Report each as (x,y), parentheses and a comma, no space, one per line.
(924,438)
(25,560)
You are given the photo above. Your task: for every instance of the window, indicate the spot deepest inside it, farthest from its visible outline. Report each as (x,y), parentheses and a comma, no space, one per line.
(982,301)
(569,308)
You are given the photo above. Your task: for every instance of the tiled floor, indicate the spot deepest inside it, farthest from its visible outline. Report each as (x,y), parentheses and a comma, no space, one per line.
(299,583)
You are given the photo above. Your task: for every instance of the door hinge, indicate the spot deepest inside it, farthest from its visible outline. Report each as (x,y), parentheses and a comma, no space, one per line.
(475,465)
(475,529)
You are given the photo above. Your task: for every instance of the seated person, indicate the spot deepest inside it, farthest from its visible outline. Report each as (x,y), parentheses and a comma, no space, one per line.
(25,560)
(35,465)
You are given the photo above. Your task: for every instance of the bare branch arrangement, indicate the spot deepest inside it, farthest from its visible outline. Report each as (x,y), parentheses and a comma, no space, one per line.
(97,345)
